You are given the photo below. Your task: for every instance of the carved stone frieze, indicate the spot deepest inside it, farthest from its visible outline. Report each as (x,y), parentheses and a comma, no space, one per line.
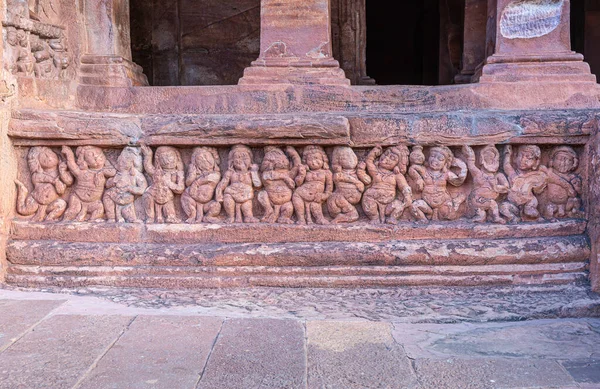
(311,184)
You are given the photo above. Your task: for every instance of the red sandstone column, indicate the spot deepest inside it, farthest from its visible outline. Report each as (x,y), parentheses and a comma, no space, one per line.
(295,45)
(107,61)
(474,39)
(533,43)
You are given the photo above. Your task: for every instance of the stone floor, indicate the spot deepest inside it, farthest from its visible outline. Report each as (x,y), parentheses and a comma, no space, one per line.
(427,338)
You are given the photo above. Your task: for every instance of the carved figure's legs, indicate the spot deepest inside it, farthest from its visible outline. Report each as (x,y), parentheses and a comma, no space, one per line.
(270,214)
(246,211)
(229,205)
(127,213)
(299,208)
(158,211)
(169,211)
(212,211)
(530,209)
(191,208)
(285,213)
(550,210)
(96,209)
(394,211)
(510,211)
(371,209)
(26,205)
(112,213)
(341,209)
(420,210)
(574,207)
(75,209)
(148,203)
(56,209)
(316,209)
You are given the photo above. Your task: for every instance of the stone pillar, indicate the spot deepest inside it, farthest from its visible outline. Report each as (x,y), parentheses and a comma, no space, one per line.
(107,61)
(295,45)
(353,41)
(533,43)
(474,39)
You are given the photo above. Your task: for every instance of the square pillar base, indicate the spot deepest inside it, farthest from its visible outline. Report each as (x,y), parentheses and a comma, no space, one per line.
(567,67)
(265,75)
(110,70)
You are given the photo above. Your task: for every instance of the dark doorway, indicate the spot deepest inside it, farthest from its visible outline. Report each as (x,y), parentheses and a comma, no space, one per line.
(403,40)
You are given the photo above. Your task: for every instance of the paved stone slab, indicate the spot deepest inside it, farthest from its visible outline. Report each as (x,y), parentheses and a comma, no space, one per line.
(157,352)
(530,339)
(491,374)
(257,353)
(350,355)
(58,351)
(584,371)
(17,316)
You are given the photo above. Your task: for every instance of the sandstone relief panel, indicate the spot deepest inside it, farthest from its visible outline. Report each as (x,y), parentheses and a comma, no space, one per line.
(303,185)
(34,48)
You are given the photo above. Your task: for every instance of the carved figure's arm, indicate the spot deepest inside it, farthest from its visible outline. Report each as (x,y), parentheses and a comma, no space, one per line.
(470,154)
(148,167)
(301,175)
(404,188)
(508,168)
(70,157)
(458,180)
(109,170)
(110,183)
(141,184)
(361,172)
(577,183)
(256,182)
(370,161)
(179,185)
(64,174)
(222,185)
(192,174)
(328,183)
(502,185)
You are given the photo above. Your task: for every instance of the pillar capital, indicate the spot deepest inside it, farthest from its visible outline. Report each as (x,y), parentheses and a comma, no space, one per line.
(532,42)
(295,45)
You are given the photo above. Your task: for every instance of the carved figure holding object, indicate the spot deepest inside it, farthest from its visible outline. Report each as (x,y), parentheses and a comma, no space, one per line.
(202,178)
(436,202)
(314,186)
(349,185)
(526,181)
(50,178)
(488,183)
(564,185)
(90,171)
(236,189)
(278,179)
(386,169)
(168,179)
(122,189)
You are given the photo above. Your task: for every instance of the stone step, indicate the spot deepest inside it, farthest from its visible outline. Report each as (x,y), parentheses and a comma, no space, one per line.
(561,249)
(318,281)
(278,233)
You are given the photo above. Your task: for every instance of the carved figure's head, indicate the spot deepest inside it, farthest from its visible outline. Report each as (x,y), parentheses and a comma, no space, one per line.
(90,157)
(274,159)
(11,36)
(22,38)
(205,159)
(343,158)
(440,158)
(130,158)
(528,157)
(395,158)
(564,159)
(167,158)
(490,158)
(417,157)
(41,158)
(315,158)
(240,158)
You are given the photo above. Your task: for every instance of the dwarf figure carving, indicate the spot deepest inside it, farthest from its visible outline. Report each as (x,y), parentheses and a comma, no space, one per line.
(488,183)
(564,185)
(25,61)
(416,158)
(349,185)
(167,175)
(436,202)
(202,179)
(314,186)
(44,66)
(526,181)
(124,187)
(60,56)
(380,201)
(236,189)
(90,171)
(50,178)
(278,179)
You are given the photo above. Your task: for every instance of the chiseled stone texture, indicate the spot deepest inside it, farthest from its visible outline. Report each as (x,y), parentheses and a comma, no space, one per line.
(157,352)
(17,316)
(356,355)
(261,353)
(59,351)
(491,374)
